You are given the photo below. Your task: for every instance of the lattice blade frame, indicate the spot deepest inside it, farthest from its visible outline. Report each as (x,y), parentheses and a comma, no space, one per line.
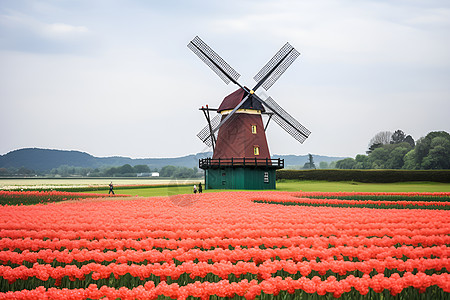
(205,135)
(213,60)
(286,121)
(279,63)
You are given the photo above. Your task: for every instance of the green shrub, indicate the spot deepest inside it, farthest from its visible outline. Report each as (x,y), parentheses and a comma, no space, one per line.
(369,176)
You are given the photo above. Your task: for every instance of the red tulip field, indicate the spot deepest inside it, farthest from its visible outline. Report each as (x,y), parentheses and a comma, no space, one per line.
(241,245)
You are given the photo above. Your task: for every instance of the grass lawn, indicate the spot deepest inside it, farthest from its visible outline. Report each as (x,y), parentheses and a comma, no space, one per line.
(306,186)
(153,191)
(347,186)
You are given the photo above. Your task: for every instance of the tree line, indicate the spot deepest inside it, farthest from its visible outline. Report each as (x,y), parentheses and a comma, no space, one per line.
(397,150)
(106,171)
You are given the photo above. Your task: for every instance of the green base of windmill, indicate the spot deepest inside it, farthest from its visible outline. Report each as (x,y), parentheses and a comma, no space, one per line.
(241,174)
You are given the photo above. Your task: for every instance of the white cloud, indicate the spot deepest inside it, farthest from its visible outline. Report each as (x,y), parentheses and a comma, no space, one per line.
(22,32)
(60,29)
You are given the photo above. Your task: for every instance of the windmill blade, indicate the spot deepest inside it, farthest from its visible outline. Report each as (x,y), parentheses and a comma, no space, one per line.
(285,120)
(213,60)
(276,67)
(205,134)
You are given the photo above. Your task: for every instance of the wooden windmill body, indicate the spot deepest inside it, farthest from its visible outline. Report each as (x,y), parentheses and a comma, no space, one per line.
(244,135)
(241,157)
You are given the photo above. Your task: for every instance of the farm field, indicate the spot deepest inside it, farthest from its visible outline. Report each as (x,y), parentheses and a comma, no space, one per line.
(168,187)
(345,186)
(242,245)
(295,186)
(39,183)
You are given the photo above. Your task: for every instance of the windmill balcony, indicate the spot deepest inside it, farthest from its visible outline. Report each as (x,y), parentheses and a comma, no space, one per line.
(239,162)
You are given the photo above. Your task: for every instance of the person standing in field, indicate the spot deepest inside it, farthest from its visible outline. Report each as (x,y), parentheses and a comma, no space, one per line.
(200,189)
(111,187)
(195,189)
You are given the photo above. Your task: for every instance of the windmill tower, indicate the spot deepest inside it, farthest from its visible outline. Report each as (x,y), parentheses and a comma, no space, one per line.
(241,157)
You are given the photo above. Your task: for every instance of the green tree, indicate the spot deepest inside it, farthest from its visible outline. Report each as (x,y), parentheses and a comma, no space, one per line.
(183,172)
(63,170)
(373,147)
(347,163)
(125,169)
(430,152)
(377,158)
(25,171)
(323,165)
(3,172)
(83,171)
(395,159)
(141,169)
(167,171)
(95,173)
(410,161)
(362,162)
(439,154)
(398,137)
(410,141)
(380,139)
(111,171)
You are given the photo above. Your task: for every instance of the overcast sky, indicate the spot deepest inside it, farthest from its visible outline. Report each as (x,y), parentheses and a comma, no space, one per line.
(116,78)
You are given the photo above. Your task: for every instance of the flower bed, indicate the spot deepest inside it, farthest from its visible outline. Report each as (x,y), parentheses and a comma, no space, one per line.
(223,244)
(368,200)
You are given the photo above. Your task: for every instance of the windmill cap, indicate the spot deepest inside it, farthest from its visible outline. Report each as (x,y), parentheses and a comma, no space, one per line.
(233,99)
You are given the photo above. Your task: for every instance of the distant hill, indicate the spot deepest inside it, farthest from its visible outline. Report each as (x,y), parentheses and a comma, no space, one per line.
(43,160)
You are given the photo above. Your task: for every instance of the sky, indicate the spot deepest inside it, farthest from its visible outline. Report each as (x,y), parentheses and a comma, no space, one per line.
(115,78)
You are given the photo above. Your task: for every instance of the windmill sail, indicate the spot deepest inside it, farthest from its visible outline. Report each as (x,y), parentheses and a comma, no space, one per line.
(266,77)
(286,121)
(213,60)
(276,67)
(205,135)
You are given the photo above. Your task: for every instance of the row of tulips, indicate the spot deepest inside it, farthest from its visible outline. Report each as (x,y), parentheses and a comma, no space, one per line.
(219,254)
(361,202)
(248,289)
(370,200)
(373,200)
(372,220)
(325,203)
(418,229)
(328,225)
(188,224)
(264,270)
(371,194)
(266,242)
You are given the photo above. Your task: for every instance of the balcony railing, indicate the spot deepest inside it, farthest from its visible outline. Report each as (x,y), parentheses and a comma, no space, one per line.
(208,163)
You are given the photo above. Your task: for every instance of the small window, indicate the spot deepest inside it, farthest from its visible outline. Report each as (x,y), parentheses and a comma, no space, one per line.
(254,129)
(256,150)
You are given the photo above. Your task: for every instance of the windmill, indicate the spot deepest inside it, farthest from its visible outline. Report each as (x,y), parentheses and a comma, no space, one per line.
(241,157)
